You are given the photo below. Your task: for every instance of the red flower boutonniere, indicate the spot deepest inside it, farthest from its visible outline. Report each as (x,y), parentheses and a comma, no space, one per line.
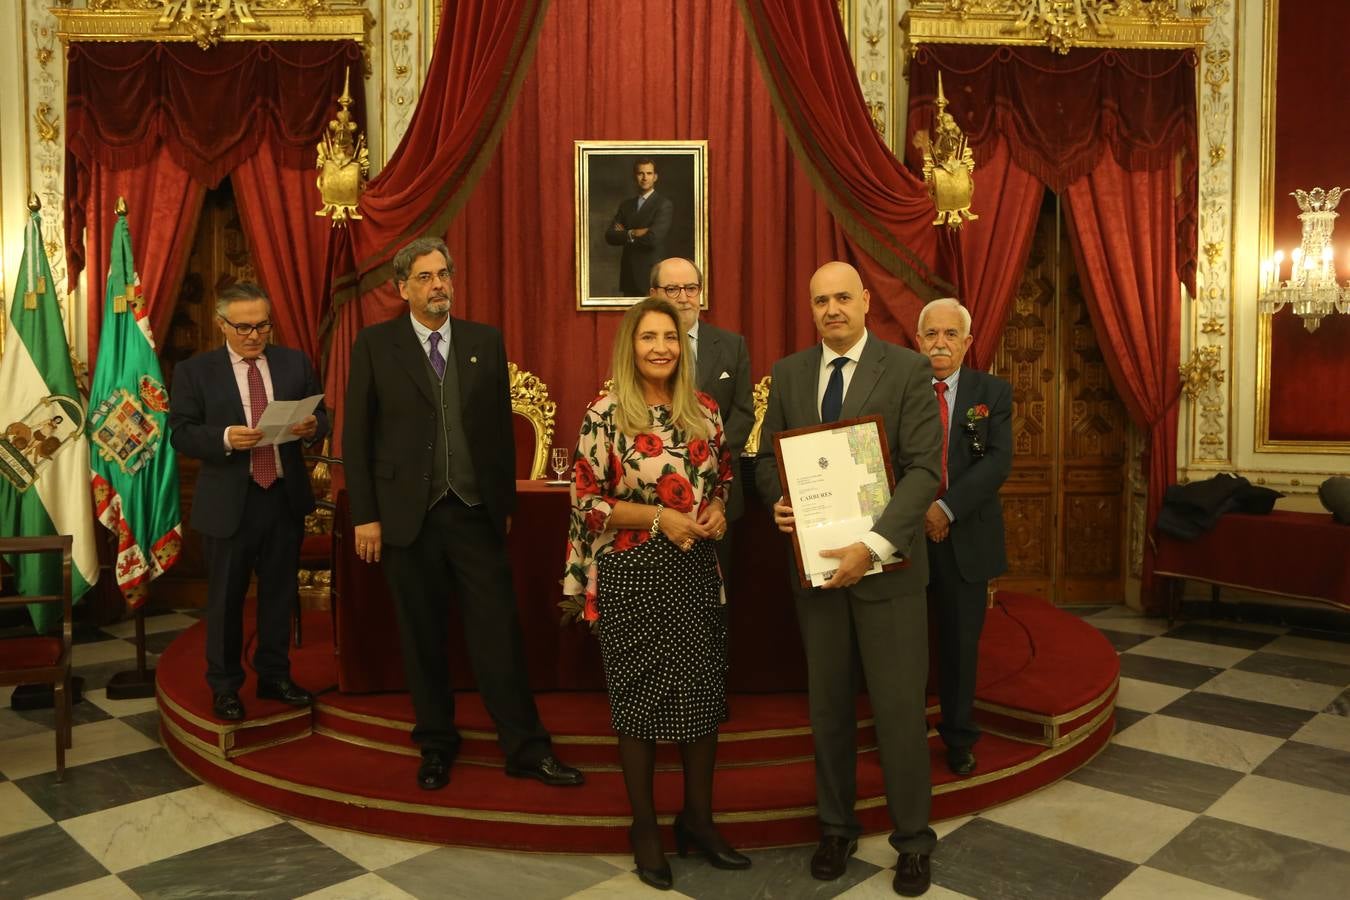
(977,412)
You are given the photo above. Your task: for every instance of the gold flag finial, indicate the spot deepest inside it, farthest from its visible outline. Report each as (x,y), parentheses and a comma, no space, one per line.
(343,163)
(121,207)
(948,165)
(34,204)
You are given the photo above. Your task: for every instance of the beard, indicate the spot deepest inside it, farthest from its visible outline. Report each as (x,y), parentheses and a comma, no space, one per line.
(438,307)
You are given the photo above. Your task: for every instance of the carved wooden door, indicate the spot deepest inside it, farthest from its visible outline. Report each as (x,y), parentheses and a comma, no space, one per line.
(1065,501)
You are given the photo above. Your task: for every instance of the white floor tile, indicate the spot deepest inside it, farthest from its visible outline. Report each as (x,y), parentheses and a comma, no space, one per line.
(878,887)
(17,812)
(119,708)
(1191,652)
(1310,648)
(623,886)
(1151,884)
(364,887)
(1123,827)
(1133,624)
(153,625)
(369,851)
(1272,689)
(1214,745)
(1326,731)
(137,833)
(1303,812)
(109,887)
(36,753)
(1146,696)
(101,652)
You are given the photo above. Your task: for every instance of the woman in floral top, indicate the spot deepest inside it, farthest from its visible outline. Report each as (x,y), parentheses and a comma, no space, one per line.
(650,480)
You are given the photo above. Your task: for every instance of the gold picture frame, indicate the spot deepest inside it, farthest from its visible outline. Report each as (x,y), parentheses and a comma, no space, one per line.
(612,264)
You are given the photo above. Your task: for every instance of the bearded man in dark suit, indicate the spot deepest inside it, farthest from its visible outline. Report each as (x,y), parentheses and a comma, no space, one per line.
(428,452)
(640,226)
(964,525)
(879,620)
(250,502)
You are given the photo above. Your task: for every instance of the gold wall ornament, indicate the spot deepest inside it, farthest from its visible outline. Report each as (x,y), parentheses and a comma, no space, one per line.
(48,126)
(948,166)
(1058,24)
(1200,371)
(343,163)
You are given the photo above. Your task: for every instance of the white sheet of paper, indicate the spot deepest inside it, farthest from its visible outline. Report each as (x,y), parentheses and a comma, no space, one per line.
(830,537)
(280,416)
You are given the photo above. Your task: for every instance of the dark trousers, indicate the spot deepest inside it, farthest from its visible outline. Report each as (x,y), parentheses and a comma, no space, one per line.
(958,608)
(890,638)
(459,551)
(268,544)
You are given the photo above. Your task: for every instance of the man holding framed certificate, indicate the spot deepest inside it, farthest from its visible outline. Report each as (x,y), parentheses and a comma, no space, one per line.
(867,600)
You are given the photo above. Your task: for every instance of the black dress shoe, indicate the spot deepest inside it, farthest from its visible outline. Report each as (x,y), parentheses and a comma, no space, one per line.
(549,771)
(286,691)
(960,760)
(723,857)
(831,856)
(227,706)
(657,877)
(434,772)
(912,874)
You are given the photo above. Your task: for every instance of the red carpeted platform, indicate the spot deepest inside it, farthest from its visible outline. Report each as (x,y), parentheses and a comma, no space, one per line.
(1046,700)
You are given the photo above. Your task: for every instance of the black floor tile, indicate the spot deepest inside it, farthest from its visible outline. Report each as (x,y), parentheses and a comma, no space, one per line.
(1234,712)
(81,713)
(160,640)
(277,862)
(1165,671)
(1127,717)
(89,634)
(1028,866)
(96,676)
(1340,706)
(1217,634)
(1254,862)
(1309,765)
(775,873)
(147,723)
(1341,636)
(1174,782)
(105,784)
(1083,612)
(1318,670)
(1124,640)
(41,860)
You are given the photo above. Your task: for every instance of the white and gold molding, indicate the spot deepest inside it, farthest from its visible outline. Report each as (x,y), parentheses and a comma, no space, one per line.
(871,27)
(403,67)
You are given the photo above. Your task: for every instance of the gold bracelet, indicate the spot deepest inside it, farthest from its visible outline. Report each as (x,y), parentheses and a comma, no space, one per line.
(656,520)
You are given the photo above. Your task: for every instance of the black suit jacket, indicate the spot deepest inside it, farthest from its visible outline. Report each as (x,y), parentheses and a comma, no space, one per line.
(723,373)
(895,383)
(389,430)
(973,483)
(204,400)
(640,254)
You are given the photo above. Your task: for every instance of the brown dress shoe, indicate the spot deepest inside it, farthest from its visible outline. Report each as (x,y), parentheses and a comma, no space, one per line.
(912,874)
(831,856)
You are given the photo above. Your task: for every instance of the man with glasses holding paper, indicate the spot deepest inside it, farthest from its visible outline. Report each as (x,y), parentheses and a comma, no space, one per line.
(251,496)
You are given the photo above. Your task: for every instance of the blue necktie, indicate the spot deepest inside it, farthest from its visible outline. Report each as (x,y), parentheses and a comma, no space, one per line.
(833,401)
(437,361)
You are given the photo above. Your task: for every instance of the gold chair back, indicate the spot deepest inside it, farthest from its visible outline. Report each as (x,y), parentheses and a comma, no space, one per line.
(529,398)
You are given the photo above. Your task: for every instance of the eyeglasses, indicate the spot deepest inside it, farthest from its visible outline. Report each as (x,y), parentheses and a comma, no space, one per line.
(674,290)
(245,329)
(425,278)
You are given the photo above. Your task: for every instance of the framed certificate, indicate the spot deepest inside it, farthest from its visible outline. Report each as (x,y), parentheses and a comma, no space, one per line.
(838,479)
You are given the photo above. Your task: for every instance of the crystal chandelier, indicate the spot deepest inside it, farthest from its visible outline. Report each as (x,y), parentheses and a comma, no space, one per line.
(1311,289)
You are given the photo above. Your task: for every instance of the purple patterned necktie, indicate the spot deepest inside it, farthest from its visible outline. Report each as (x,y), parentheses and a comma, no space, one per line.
(437,361)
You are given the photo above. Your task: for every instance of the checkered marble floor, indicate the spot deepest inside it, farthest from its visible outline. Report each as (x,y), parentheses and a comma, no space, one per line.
(1228,776)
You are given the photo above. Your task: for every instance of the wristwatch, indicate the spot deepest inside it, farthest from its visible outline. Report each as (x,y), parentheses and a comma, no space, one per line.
(876,557)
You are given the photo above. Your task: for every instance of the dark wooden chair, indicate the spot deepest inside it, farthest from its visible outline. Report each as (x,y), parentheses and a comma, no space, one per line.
(43,659)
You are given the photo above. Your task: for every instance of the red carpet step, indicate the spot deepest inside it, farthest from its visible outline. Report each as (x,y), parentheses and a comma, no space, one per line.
(1046,699)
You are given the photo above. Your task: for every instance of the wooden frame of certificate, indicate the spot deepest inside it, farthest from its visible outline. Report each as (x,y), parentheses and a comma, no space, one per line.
(837,478)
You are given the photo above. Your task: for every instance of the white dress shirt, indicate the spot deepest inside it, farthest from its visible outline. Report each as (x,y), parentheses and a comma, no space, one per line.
(424,337)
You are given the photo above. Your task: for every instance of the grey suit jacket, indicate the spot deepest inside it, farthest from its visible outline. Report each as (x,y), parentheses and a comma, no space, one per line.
(723,373)
(896,384)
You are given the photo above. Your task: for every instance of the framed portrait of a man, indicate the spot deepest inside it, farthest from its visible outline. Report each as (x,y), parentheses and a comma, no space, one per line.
(638,202)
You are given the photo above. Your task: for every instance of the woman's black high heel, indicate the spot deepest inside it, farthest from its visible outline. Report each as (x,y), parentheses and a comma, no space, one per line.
(720,857)
(661,878)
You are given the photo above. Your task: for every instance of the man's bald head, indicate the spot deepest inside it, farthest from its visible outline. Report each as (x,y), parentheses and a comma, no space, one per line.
(839,305)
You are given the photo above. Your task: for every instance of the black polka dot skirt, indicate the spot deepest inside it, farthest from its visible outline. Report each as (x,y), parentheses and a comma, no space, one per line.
(663,640)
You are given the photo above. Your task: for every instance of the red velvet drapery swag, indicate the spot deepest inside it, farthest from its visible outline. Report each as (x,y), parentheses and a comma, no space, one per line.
(161,123)
(577,70)
(1110,130)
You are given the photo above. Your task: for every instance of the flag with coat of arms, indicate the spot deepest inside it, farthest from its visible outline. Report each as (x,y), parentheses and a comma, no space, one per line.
(44,455)
(135,476)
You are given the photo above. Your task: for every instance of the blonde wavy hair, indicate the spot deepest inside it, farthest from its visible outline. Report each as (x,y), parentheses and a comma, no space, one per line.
(631,413)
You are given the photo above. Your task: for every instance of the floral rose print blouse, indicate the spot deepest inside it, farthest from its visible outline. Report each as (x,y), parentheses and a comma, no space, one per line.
(661,465)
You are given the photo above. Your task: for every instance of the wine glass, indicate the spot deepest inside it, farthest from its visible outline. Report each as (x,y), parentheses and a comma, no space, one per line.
(559,459)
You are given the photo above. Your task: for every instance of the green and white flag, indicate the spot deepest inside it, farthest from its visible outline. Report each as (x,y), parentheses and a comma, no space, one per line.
(134,473)
(44,455)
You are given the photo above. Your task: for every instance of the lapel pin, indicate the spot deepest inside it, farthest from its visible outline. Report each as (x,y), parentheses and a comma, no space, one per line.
(473,359)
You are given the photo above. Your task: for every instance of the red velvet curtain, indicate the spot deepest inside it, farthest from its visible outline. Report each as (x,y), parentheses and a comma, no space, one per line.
(160,123)
(1121,225)
(512,238)
(989,255)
